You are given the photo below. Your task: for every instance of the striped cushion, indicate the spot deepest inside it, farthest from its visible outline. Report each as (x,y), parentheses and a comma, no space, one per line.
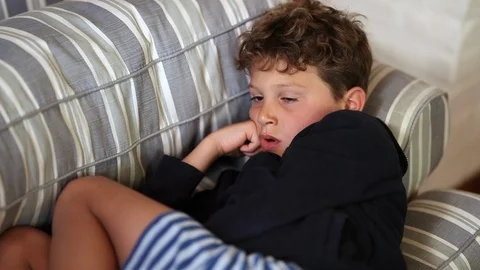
(443,231)
(417,114)
(10,8)
(102,87)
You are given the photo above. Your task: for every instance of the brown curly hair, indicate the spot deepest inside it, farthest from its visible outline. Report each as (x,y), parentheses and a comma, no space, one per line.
(310,34)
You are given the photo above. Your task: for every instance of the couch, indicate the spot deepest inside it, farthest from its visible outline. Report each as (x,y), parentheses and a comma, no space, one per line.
(106,87)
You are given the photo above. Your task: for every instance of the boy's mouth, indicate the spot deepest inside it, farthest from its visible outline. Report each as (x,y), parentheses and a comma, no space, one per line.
(268,142)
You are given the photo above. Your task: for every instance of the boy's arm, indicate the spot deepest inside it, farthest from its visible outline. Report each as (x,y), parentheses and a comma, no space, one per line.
(172,182)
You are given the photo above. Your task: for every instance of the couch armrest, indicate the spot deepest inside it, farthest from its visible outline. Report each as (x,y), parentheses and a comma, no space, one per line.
(417,114)
(442,231)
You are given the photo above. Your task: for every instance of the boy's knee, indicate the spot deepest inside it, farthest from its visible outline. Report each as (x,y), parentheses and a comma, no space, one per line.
(77,191)
(16,241)
(24,248)
(80,187)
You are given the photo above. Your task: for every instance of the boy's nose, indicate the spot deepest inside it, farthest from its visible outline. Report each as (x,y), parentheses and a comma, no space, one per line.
(267,116)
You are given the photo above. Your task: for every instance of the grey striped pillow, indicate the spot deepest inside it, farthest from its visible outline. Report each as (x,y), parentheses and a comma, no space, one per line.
(104,86)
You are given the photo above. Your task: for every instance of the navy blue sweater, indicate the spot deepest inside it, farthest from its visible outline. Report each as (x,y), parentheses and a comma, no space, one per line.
(335,200)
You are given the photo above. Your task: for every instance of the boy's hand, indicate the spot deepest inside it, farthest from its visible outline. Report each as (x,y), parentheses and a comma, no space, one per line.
(240,136)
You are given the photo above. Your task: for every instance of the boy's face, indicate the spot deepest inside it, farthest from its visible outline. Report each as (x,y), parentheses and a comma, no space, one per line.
(283,104)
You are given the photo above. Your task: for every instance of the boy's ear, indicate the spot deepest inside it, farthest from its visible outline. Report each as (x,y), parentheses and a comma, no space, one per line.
(355,99)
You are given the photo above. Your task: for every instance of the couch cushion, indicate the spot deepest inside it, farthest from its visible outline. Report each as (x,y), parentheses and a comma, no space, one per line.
(102,87)
(443,231)
(417,114)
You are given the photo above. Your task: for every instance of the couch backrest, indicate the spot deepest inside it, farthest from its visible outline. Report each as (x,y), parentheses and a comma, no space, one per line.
(105,86)
(9,8)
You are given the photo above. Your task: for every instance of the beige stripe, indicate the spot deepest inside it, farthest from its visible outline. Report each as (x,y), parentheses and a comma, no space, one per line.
(442,215)
(4,8)
(425,248)
(465,261)
(403,133)
(477,239)
(410,170)
(399,98)
(450,213)
(453,266)
(447,121)
(433,236)
(419,260)
(234,12)
(464,214)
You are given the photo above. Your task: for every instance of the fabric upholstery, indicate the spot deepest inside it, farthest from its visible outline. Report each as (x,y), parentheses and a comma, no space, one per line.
(417,114)
(9,8)
(443,231)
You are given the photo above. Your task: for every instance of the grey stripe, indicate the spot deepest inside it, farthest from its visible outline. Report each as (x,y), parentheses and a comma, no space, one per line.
(10,214)
(471,252)
(35,4)
(256,7)
(122,37)
(468,204)
(13,189)
(414,265)
(49,2)
(96,89)
(438,130)
(166,41)
(424,255)
(385,93)
(70,175)
(470,248)
(16,6)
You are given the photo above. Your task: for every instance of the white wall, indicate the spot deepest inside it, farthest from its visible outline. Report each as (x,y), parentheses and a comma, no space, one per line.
(439,42)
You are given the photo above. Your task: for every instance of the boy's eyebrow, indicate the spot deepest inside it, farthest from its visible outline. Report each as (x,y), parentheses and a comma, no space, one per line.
(280,85)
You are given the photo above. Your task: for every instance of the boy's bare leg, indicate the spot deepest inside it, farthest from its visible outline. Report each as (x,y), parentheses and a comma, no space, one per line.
(97,222)
(24,248)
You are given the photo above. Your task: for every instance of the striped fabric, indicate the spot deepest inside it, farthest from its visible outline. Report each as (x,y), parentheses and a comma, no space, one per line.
(417,114)
(176,241)
(443,231)
(109,85)
(10,8)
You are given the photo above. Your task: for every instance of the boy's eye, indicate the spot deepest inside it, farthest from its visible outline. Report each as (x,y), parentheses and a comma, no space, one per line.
(256,98)
(289,100)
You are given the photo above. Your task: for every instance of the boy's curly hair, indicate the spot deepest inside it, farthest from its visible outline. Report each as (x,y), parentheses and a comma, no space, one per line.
(310,34)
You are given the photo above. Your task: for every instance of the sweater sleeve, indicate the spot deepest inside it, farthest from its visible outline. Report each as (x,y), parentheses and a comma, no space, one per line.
(172,182)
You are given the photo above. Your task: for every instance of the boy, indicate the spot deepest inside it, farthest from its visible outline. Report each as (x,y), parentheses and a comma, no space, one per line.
(322,188)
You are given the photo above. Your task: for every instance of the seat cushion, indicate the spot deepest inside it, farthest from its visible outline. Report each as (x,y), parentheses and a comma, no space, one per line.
(442,231)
